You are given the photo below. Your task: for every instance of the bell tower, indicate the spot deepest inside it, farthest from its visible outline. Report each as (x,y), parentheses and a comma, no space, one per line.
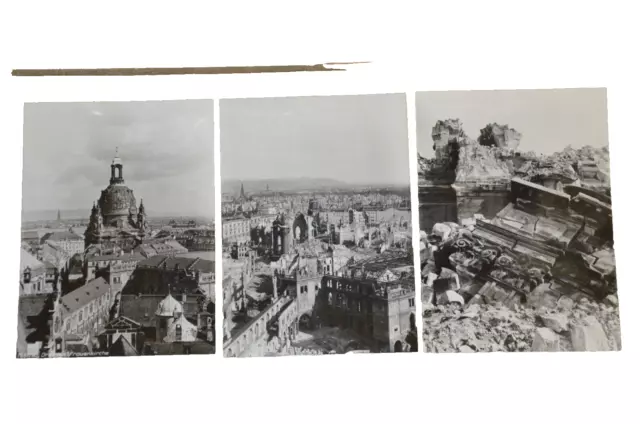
(116,170)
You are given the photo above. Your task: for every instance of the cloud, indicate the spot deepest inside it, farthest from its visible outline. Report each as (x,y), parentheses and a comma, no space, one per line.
(70,146)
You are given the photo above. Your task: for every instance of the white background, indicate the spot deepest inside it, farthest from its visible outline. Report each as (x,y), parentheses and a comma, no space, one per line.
(447,45)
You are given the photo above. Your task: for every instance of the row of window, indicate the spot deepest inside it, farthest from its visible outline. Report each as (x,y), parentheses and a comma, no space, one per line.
(344,302)
(305,289)
(97,305)
(349,287)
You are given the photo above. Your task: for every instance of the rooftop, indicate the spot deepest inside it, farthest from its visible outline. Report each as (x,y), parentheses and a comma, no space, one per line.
(59,236)
(386,260)
(28,260)
(180,263)
(82,296)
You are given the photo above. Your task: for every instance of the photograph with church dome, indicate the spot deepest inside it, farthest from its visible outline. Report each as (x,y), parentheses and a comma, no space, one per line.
(516,221)
(118,239)
(316,226)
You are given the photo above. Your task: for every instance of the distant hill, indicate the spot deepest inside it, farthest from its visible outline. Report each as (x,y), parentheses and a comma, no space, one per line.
(84,214)
(282,184)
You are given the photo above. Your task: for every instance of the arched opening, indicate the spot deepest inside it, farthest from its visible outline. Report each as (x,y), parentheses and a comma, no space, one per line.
(305,322)
(397,347)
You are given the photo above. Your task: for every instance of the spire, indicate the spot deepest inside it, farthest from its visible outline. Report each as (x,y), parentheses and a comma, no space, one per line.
(242,190)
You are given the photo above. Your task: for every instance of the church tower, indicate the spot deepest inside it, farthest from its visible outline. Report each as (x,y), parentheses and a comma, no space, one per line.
(242,190)
(116,170)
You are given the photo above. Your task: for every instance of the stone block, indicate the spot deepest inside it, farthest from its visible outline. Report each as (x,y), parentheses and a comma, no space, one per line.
(589,337)
(557,322)
(441,230)
(545,340)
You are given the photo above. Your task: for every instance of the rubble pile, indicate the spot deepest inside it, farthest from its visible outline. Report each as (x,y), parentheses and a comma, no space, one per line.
(493,158)
(500,136)
(581,326)
(482,163)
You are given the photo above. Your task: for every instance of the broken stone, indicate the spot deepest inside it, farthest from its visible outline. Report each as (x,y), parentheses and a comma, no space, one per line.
(612,300)
(450,297)
(589,337)
(565,303)
(471,312)
(557,322)
(545,340)
(466,349)
(441,230)
(541,296)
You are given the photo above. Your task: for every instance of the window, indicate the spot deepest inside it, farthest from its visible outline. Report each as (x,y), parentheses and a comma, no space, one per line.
(179,333)
(412,302)
(80,317)
(67,325)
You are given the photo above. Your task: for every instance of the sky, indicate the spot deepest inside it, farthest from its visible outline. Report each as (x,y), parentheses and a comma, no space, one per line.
(548,120)
(353,139)
(166,148)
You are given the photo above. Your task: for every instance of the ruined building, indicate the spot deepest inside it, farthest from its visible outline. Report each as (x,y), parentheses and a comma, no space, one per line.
(469,176)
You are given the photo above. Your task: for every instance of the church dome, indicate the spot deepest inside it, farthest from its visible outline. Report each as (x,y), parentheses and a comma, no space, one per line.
(168,307)
(117,201)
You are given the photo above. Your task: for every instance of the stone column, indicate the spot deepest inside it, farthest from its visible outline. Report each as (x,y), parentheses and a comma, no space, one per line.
(274,281)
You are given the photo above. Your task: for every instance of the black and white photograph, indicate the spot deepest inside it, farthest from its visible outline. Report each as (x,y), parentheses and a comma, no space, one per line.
(516,240)
(117,251)
(316,226)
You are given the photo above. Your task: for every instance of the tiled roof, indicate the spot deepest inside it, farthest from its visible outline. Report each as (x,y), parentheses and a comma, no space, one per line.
(125,257)
(142,309)
(122,347)
(80,297)
(62,236)
(28,260)
(191,264)
(30,235)
(49,265)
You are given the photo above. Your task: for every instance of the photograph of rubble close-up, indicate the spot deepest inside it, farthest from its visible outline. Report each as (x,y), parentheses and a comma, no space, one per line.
(516,249)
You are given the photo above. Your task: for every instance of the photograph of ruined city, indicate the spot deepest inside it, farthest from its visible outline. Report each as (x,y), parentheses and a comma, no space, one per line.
(102,272)
(516,240)
(316,226)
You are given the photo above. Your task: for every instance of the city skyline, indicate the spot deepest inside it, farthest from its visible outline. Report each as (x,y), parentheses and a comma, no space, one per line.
(354,139)
(549,120)
(166,148)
